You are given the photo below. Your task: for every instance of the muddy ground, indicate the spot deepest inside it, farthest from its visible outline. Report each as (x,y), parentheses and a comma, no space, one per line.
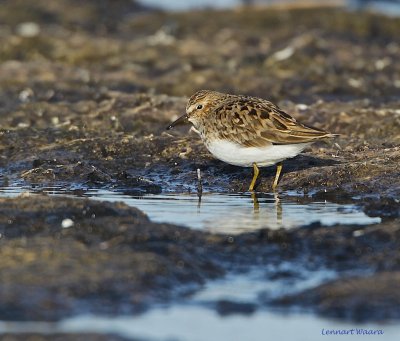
(85,95)
(113,259)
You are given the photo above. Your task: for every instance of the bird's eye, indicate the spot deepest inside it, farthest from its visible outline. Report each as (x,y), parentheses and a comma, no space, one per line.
(199,107)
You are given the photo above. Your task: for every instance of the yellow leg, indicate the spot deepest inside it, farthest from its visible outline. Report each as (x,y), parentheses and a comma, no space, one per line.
(278,173)
(256,171)
(256,205)
(278,208)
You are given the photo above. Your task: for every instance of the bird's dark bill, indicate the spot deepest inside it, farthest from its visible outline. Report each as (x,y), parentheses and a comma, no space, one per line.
(181,120)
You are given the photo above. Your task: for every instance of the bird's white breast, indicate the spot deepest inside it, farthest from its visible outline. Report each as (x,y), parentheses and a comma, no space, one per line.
(238,155)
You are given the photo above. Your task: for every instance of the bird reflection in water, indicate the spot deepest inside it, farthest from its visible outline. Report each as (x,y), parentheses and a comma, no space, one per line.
(199,189)
(256,204)
(277,206)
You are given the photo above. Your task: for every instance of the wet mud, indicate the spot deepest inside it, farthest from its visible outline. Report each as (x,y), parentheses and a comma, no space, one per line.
(84,101)
(83,256)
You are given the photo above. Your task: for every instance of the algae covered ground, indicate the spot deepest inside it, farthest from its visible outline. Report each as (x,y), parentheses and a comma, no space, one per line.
(86,91)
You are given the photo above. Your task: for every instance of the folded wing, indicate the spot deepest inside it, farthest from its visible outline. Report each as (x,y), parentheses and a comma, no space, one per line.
(254,122)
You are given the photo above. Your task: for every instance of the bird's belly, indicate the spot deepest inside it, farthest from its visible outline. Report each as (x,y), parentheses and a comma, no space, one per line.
(238,155)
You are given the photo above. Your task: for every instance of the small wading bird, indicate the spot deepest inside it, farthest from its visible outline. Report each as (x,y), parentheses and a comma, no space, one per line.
(247,131)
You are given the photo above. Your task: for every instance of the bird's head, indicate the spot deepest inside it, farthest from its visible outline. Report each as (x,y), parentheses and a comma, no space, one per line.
(198,107)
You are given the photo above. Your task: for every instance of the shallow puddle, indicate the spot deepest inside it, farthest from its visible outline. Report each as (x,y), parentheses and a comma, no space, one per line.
(223,213)
(203,317)
(391,8)
(232,308)
(191,323)
(197,323)
(179,5)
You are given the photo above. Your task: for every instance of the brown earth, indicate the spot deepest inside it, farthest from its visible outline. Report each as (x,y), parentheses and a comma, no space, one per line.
(85,95)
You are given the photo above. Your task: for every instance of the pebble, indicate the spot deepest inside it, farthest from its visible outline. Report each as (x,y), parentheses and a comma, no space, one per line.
(67,223)
(28,29)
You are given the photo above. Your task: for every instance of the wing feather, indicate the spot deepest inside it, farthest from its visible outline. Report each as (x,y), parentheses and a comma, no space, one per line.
(253,122)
